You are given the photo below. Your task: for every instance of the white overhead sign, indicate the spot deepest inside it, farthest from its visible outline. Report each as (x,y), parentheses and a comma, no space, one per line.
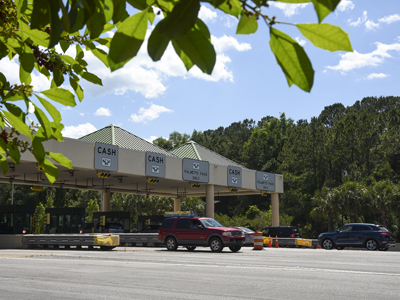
(234,176)
(195,170)
(105,157)
(265,181)
(155,164)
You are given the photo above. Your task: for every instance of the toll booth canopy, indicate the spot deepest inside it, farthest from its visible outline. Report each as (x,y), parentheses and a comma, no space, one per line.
(66,220)
(122,217)
(14,219)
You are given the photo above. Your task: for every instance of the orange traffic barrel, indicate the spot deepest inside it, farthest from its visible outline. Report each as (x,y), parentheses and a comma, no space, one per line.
(258,240)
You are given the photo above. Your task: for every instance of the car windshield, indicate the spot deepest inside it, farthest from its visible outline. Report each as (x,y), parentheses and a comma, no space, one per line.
(246,229)
(210,223)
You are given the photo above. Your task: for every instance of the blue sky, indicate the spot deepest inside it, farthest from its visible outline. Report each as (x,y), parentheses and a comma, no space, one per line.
(154,99)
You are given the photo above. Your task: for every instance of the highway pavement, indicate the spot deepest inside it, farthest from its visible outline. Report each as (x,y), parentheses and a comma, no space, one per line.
(155,273)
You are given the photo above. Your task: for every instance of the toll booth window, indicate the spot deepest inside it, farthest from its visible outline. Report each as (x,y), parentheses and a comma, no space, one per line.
(76,221)
(53,221)
(21,220)
(67,220)
(183,223)
(61,221)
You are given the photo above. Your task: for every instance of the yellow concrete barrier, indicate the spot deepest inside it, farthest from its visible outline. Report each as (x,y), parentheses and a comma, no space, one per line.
(303,242)
(106,240)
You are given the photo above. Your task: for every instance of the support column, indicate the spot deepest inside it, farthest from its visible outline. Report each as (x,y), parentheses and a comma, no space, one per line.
(275,209)
(177,205)
(210,201)
(106,195)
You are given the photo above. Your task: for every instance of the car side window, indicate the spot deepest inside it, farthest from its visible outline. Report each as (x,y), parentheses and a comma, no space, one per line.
(360,228)
(183,224)
(194,224)
(346,229)
(167,223)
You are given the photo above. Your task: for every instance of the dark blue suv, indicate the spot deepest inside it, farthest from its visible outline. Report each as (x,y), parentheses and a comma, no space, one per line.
(358,235)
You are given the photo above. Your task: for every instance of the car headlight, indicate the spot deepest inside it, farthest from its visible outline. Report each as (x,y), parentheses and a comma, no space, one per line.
(227,233)
(243,233)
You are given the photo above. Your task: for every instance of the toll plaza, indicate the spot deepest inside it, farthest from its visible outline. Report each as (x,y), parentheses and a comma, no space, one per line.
(114,160)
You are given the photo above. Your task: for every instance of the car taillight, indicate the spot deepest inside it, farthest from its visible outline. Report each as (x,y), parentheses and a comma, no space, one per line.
(384,233)
(292,235)
(251,235)
(108,231)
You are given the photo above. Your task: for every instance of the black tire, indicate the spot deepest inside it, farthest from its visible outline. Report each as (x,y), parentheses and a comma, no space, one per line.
(327,244)
(106,248)
(216,245)
(191,248)
(235,248)
(384,249)
(171,243)
(371,245)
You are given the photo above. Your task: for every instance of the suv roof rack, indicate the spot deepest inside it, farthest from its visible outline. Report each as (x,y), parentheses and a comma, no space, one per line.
(181,214)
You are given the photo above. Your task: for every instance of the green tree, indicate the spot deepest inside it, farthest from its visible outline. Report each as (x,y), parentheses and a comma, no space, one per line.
(39,213)
(30,32)
(92,207)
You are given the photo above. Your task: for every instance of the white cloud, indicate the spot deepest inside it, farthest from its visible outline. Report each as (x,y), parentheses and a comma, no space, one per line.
(149,114)
(82,114)
(300,41)
(289,9)
(359,20)
(152,138)
(355,60)
(226,43)
(102,111)
(78,131)
(390,19)
(229,21)
(376,75)
(207,14)
(345,5)
(371,25)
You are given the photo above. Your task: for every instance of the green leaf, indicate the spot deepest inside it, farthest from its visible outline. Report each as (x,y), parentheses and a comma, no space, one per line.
(16,118)
(96,24)
(55,23)
(184,58)
(294,1)
(27,62)
(198,48)
(127,40)
(44,121)
(247,24)
(50,170)
(324,7)
(180,20)
(77,88)
(40,14)
(58,76)
(292,59)
(326,36)
(119,10)
(4,164)
(92,78)
(139,4)
(64,45)
(39,37)
(13,153)
(61,159)
(157,44)
(54,113)
(61,96)
(232,7)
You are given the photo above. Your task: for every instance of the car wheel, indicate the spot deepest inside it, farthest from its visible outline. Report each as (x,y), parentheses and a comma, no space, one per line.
(384,249)
(171,243)
(371,245)
(327,244)
(235,248)
(191,248)
(216,245)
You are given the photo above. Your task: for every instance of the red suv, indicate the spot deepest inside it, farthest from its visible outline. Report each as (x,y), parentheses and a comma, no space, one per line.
(191,232)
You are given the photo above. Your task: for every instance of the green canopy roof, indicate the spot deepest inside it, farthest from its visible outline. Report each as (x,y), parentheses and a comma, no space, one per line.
(196,151)
(114,135)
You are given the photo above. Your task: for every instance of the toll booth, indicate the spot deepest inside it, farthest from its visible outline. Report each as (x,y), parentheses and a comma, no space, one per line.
(122,217)
(66,220)
(15,219)
(148,221)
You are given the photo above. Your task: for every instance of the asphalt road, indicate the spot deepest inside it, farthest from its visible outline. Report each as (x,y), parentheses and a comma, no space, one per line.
(155,273)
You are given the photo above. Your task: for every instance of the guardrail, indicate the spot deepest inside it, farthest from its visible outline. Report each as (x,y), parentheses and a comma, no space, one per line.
(292,242)
(138,239)
(104,241)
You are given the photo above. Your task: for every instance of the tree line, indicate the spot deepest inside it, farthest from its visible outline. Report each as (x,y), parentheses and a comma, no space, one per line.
(341,166)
